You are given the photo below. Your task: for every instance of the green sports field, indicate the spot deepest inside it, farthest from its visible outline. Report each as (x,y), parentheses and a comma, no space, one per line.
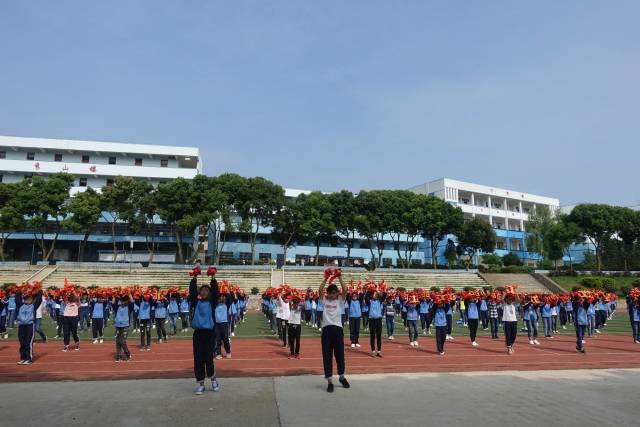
(257,326)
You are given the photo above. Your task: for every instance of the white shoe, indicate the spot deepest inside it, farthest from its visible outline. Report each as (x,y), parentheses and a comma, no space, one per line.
(584,342)
(442,354)
(94,342)
(353,346)
(215,385)
(474,344)
(319,329)
(199,390)
(358,345)
(233,334)
(531,342)
(536,342)
(564,327)
(101,341)
(228,355)
(218,357)
(416,344)
(411,344)
(392,338)
(597,331)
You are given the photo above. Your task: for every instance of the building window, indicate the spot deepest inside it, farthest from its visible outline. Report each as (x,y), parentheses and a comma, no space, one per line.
(83,182)
(85,158)
(499,245)
(31,156)
(138,161)
(110,182)
(112,160)
(3,154)
(57,157)
(164,163)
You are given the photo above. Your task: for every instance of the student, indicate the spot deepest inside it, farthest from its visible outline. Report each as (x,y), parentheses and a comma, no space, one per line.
(173,310)
(97,308)
(295,327)
(530,318)
(545,309)
(11,309)
(554,316)
(562,313)
(365,315)
(314,318)
(307,310)
(320,312)
(3,316)
(184,313)
(374,301)
(355,313)
(439,314)
(26,306)
(273,312)
(122,307)
(221,313)
(284,311)
(144,315)
(332,332)
(390,317)
(412,321)
(83,312)
(449,337)
(635,319)
(580,307)
(601,314)
(424,314)
(510,321)
(38,323)
(472,314)
(484,313)
(203,301)
(591,319)
(161,317)
(70,321)
(492,306)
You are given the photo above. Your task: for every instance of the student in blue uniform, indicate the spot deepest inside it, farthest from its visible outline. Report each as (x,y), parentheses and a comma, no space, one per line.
(319,312)
(530,317)
(173,310)
(439,315)
(221,316)
(122,307)
(161,317)
(3,317)
(144,315)
(412,322)
(424,314)
(184,314)
(472,314)
(635,319)
(202,302)
(11,310)
(355,313)
(97,309)
(547,320)
(484,313)
(580,307)
(374,301)
(26,307)
(390,317)
(365,316)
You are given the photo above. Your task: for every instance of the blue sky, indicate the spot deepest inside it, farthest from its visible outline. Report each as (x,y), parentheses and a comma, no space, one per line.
(538,96)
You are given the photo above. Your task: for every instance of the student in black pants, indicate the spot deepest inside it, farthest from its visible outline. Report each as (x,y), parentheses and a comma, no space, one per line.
(332,332)
(70,322)
(510,321)
(375,303)
(438,313)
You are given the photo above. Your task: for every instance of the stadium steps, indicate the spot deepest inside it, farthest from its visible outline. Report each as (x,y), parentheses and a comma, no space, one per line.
(163,278)
(526,282)
(394,278)
(16,274)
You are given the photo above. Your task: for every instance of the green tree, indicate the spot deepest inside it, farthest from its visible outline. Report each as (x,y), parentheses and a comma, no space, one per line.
(45,208)
(441,219)
(450,253)
(511,259)
(561,236)
(628,231)
(118,205)
(12,213)
(345,214)
(316,215)
(227,222)
(492,260)
(370,207)
(538,227)
(287,225)
(258,201)
(185,205)
(597,222)
(84,210)
(476,235)
(145,216)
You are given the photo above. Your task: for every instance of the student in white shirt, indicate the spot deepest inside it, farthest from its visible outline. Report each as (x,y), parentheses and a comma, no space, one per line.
(282,317)
(295,328)
(510,321)
(332,333)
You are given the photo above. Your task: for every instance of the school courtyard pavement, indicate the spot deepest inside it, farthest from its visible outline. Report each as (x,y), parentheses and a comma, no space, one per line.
(533,398)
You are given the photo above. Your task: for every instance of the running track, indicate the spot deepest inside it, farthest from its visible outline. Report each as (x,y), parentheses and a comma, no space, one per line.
(265,357)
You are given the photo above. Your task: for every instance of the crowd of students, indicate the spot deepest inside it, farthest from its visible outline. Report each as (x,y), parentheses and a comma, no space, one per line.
(214,310)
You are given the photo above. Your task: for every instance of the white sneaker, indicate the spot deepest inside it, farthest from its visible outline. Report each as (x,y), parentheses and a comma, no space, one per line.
(215,385)
(564,327)
(411,344)
(94,342)
(597,331)
(228,355)
(442,354)
(531,342)
(416,343)
(474,344)
(233,334)
(536,342)
(392,338)
(353,346)
(319,329)
(584,342)
(358,345)
(218,357)
(199,390)
(100,340)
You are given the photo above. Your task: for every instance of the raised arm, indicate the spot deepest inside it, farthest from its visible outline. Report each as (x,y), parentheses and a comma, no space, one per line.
(193,290)
(345,290)
(321,288)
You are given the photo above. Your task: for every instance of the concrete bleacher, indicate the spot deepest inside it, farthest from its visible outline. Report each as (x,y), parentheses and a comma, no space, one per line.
(162,277)
(526,282)
(411,279)
(13,273)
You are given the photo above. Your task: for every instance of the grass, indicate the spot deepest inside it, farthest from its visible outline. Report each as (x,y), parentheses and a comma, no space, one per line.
(568,282)
(257,326)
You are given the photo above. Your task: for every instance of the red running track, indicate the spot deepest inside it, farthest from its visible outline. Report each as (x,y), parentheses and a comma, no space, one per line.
(265,357)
